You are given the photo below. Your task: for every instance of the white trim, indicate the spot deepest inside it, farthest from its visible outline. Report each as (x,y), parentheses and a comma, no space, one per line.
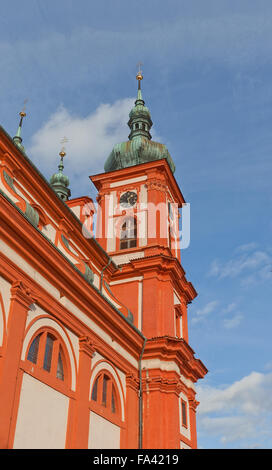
(184,431)
(176,299)
(131,180)
(168,366)
(184,446)
(125,259)
(124,281)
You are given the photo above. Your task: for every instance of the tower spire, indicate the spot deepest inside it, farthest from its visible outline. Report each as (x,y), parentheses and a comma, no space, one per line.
(17,139)
(140,121)
(58,181)
(139,77)
(140,148)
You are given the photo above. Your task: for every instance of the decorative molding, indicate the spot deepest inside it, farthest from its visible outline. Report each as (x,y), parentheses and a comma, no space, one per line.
(21,293)
(9,180)
(86,345)
(8,161)
(65,226)
(193,403)
(132,382)
(162,383)
(156,184)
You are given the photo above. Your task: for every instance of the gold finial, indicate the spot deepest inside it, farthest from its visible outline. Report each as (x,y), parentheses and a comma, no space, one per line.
(23,113)
(139,75)
(62,152)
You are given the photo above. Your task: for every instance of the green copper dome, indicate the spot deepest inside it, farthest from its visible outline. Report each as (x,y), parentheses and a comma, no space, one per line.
(136,151)
(59,179)
(139,148)
(60,182)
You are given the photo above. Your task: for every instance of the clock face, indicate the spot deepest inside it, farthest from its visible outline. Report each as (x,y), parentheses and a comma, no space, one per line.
(128,199)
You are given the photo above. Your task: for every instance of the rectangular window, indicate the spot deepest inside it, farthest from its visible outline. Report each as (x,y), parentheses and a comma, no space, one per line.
(128,235)
(178,320)
(184,413)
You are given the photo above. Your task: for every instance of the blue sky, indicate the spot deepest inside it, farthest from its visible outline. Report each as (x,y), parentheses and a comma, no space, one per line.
(207,81)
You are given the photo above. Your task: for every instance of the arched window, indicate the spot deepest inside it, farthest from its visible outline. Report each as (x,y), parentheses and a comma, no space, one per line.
(128,235)
(47,353)
(104,394)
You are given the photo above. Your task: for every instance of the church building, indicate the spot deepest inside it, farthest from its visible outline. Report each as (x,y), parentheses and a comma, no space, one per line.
(94,346)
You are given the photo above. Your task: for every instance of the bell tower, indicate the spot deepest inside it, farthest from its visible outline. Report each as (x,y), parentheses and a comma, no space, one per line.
(138,225)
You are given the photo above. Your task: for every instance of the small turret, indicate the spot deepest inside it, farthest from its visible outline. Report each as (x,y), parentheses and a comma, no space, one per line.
(60,182)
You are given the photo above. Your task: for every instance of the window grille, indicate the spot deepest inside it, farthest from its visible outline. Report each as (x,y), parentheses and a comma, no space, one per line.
(128,236)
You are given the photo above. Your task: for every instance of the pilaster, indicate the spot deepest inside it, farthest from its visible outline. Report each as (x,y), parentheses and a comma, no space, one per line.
(79,413)
(161,409)
(130,434)
(21,299)
(193,403)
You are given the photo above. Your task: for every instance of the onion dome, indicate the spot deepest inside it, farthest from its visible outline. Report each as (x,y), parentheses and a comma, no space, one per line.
(139,148)
(60,182)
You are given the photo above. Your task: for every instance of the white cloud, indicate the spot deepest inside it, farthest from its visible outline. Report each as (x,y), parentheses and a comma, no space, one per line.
(242,410)
(229,308)
(234,316)
(254,266)
(202,313)
(230,429)
(247,394)
(247,247)
(233,322)
(90,140)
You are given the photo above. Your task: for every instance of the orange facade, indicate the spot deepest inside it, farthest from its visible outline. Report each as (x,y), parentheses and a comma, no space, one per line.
(94,348)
